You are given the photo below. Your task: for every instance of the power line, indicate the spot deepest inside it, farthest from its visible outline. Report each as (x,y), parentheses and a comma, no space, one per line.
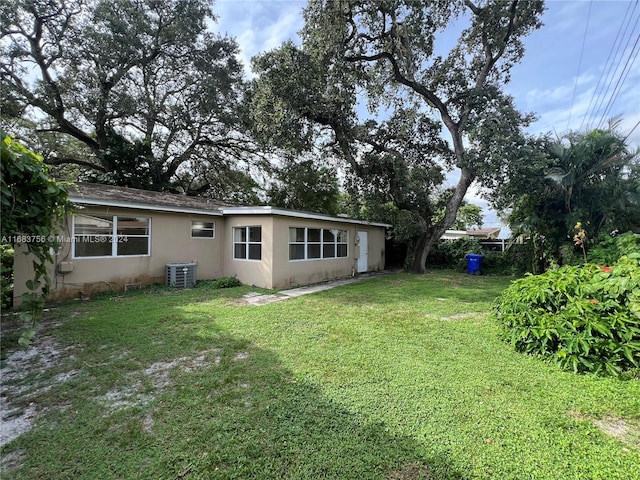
(631,131)
(600,83)
(584,40)
(613,73)
(633,55)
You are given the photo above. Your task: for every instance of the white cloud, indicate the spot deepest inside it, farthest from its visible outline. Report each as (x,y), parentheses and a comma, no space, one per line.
(490,216)
(588,109)
(564,17)
(258,26)
(286,27)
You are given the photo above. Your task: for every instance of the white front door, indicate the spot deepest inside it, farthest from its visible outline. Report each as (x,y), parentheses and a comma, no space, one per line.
(364,251)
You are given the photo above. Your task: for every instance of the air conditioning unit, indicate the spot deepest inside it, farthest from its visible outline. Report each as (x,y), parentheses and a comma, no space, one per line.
(182,275)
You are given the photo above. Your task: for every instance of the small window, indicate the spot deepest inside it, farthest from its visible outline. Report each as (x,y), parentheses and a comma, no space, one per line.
(203,230)
(247,243)
(296,234)
(296,243)
(296,251)
(328,250)
(92,236)
(132,236)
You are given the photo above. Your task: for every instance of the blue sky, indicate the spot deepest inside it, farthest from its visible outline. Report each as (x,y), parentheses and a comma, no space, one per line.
(583,61)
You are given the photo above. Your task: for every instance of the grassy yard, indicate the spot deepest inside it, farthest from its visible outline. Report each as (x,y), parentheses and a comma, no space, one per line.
(397,377)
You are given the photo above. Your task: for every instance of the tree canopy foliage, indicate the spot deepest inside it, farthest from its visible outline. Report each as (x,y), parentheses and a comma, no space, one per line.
(372,85)
(141,94)
(588,177)
(305,185)
(469,216)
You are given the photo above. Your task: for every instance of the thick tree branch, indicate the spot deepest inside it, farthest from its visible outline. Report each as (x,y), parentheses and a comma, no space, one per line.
(490,58)
(57,109)
(474,8)
(75,161)
(424,92)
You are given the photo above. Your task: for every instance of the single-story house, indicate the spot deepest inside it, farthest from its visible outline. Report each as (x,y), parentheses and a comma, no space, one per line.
(451,235)
(490,233)
(121,237)
(493,238)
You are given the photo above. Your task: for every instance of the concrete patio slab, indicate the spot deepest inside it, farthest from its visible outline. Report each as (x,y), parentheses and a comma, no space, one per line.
(256,298)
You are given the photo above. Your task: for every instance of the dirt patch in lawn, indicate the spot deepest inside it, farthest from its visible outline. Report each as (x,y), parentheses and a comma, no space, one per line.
(134,393)
(24,377)
(258,299)
(627,431)
(27,373)
(456,316)
(411,472)
(620,429)
(12,461)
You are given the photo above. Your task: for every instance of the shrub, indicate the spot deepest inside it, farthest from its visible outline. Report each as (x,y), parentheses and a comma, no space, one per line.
(501,263)
(519,257)
(453,254)
(610,248)
(585,318)
(6,275)
(226,282)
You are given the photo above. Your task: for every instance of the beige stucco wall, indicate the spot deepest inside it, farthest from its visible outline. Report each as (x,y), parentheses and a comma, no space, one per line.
(250,272)
(171,242)
(288,273)
(376,259)
(275,270)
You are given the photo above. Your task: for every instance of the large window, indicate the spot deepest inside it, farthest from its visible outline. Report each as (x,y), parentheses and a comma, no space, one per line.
(314,243)
(247,243)
(111,236)
(203,230)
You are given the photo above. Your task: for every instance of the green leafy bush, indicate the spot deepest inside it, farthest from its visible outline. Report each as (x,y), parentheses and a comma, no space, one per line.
(501,263)
(6,275)
(33,205)
(610,248)
(585,318)
(453,254)
(226,282)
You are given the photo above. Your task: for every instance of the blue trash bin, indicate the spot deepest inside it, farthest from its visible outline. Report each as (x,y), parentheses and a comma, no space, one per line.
(474,264)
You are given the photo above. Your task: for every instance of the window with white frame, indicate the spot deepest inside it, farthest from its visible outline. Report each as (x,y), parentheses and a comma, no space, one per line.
(247,243)
(317,243)
(111,236)
(203,229)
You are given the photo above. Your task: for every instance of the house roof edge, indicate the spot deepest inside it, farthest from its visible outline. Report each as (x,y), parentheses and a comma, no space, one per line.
(267,210)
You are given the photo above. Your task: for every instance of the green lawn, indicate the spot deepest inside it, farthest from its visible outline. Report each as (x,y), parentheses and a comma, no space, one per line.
(396,377)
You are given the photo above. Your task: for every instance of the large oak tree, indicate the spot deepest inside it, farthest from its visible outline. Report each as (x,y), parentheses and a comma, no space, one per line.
(374,85)
(146,93)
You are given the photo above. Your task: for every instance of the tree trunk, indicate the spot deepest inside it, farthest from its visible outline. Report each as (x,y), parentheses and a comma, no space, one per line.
(432,234)
(420,252)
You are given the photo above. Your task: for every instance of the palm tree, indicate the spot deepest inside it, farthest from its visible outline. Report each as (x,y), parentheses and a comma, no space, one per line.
(593,172)
(590,177)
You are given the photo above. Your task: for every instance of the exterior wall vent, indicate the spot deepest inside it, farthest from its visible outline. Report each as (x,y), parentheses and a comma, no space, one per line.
(131,286)
(181,275)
